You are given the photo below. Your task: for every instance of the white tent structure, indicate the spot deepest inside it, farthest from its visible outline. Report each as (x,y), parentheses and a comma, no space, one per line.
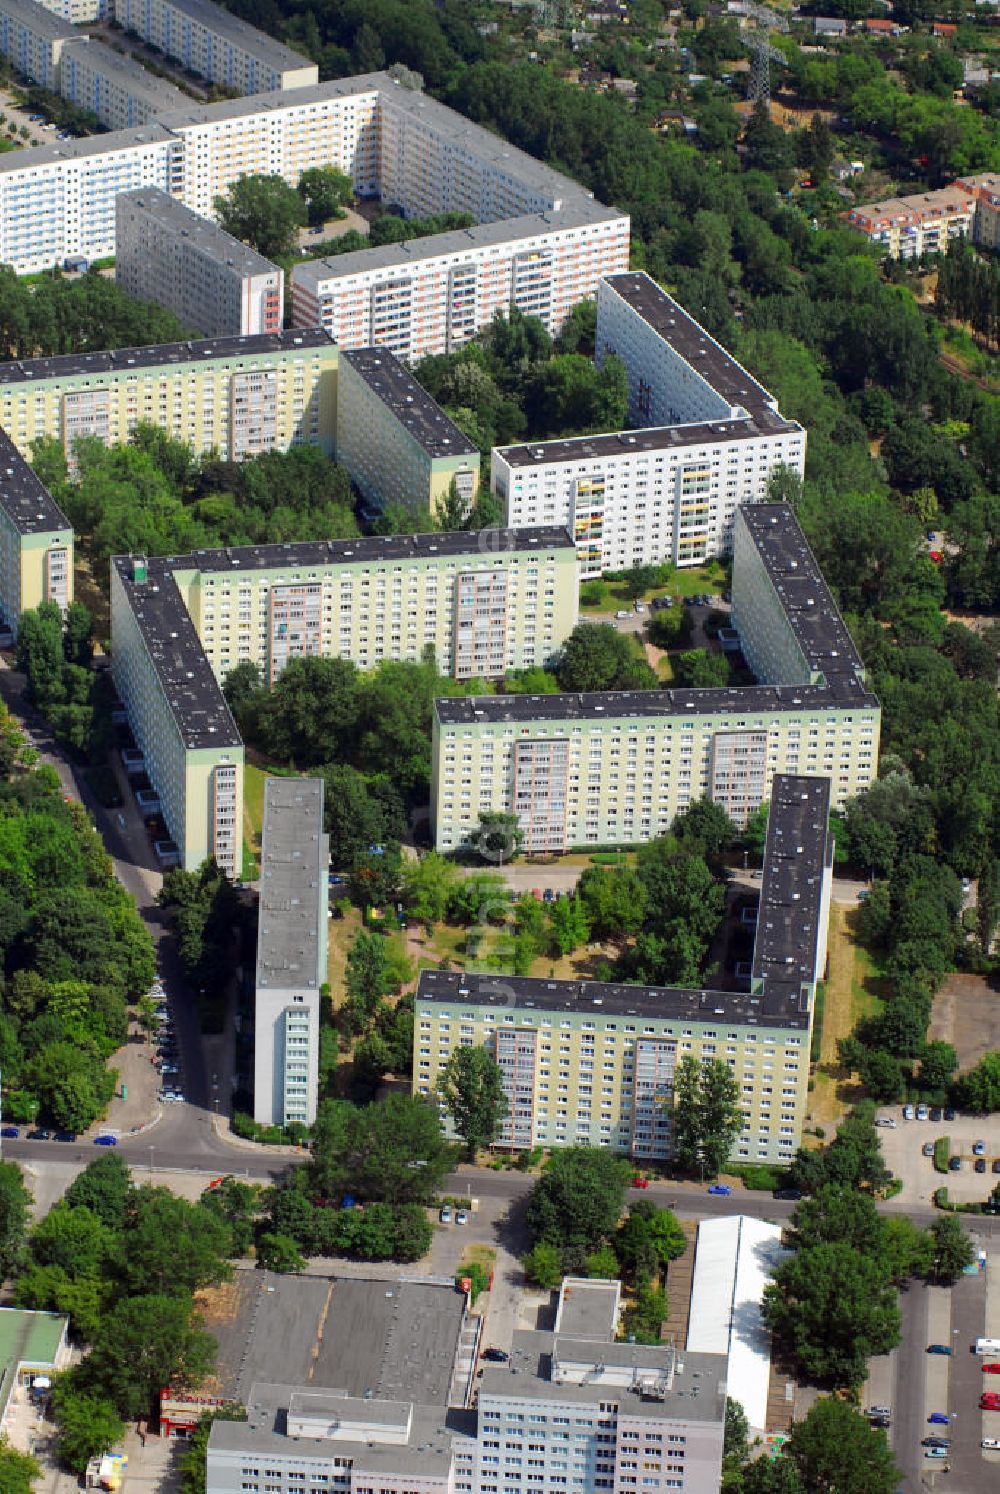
(733,1263)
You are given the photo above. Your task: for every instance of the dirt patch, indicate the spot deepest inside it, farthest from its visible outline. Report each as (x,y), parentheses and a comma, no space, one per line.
(848,996)
(966,1013)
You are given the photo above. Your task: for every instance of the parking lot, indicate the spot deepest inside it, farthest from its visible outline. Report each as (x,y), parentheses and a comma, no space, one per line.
(902,1148)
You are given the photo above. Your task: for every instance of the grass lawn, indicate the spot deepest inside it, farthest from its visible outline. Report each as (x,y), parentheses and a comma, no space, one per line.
(253,806)
(610,595)
(341,933)
(849,997)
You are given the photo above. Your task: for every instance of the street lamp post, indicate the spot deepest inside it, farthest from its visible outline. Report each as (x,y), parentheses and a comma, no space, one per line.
(151,1151)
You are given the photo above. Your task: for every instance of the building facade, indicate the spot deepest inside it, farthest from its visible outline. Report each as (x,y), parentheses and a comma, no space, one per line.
(32,38)
(397,443)
(708,437)
(617,767)
(192,751)
(926,223)
(484,603)
(211,282)
(291,952)
(212,42)
(117,90)
(36,541)
(239,396)
(586,1063)
(77,12)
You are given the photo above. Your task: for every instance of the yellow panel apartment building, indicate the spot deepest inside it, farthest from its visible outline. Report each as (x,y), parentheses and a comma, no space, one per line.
(36,541)
(484,602)
(588,1063)
(236,395)
(618,766)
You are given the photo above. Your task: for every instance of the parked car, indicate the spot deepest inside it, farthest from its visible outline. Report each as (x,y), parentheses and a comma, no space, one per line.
(935,1442)
(640,606)
(65,1136)
(935,1452)
(939,1419)
(990,1400)
(622,614)
(939,1349)
(461,1217)
(640,1182)
(40,1134)
(496,1356)
(790,1193)
(992,1444)
(935,1112)
(549,896)
(980,1164)
(955,1164)
(887,1120)
(996,1164)
(907,1112)
(445,1215)
(720,1190)
(928,1149)
(950,1114)
(991,1369)
(922,1112)
(105,1140)
(979,1148)
(878,1411)
(9,1132)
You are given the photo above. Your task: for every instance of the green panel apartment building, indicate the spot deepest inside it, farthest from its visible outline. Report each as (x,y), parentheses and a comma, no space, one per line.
(486,603)
(36,541)
(589,1063)
(617,767)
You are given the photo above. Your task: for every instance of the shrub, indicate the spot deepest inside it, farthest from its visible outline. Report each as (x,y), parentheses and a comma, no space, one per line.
(942,1151)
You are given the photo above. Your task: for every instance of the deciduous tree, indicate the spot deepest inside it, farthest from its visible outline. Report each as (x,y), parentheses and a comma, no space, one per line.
(471,1086)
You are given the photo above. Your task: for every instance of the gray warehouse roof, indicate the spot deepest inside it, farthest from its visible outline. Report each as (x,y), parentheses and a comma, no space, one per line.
(295,856)
(788,923)
(24,498)
(201,233)
(412,406)
(204,350)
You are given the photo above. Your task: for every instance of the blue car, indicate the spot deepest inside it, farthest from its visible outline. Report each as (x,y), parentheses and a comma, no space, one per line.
(9,1131)
(939,1419)
(105,1140)
(721,1190)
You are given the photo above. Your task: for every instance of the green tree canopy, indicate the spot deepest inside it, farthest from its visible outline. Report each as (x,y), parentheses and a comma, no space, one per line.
(471,1087)
(262,211)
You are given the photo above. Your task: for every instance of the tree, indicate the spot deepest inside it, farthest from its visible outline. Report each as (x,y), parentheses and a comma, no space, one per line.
(173,1246)
(614,900)
(735,1439)
(705,827)
(88,1425)
(277,1252)
(707,1114)
(701,670)
(18,1471)
(15,1201)
(596,657)
(831,1310)
(498,837)
(103,1187)
(577,1202)
(393,1151)
(649,1239)
(359,812)
(471,1087)
(837,1213)
(837,1451)
(953,1249)
(543,1266)
(325,191)
(262,211)
(979,1089)
(145,1343)
(568,923)
(427,886)
(938,1062)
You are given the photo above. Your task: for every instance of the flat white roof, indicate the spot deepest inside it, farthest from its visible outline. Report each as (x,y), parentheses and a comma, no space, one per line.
(733,1264)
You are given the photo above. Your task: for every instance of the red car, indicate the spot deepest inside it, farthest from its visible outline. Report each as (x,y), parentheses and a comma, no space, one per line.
(640,1182)
(989,1401)
(991,1369)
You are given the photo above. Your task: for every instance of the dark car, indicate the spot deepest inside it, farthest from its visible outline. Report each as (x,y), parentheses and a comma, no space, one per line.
(935,1113)
(939,1349)
(9,1131)
(980,1164)
(950,1114)
(790,1193)
(996,1164)
(40,1134)
(65,1136)
(955,1164)
(496,1356)
(936,1442)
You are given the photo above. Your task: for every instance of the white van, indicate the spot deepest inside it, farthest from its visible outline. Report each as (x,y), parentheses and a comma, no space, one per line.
(987,1346)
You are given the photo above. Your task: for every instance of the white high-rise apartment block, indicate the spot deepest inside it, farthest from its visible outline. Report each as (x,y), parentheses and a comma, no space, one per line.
(211,41)
(77,12)
(709,437)
(120,92)
(32,38)
(214,284)
(291,951)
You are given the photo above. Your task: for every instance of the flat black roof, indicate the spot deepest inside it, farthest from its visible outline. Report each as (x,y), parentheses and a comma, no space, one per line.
(181,665)
(809,606)
(412,406)
(653,438)
(788,927)
(678,328)
(204,350)
(736,700)
(799,848)
(24,498)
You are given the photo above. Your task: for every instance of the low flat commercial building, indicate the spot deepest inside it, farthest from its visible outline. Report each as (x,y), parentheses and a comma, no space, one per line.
(239,396)
(617,767)
(34,1346)
(397,443)
(591,1063)
(291,952)
(32,39)
(210,41)
(706,438)
(116,89)
(36,541)
(211,282)
(484,603)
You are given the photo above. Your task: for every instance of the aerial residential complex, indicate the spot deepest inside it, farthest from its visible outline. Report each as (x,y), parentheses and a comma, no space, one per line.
(238,396)
(36,541)
(588,1063)
(397,443)
(32,38)
(619,766)
(214,284)
(485,602)
(211,41)
(709,438)
(574,1410)
(926,223)
(291,951)
(543,242)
